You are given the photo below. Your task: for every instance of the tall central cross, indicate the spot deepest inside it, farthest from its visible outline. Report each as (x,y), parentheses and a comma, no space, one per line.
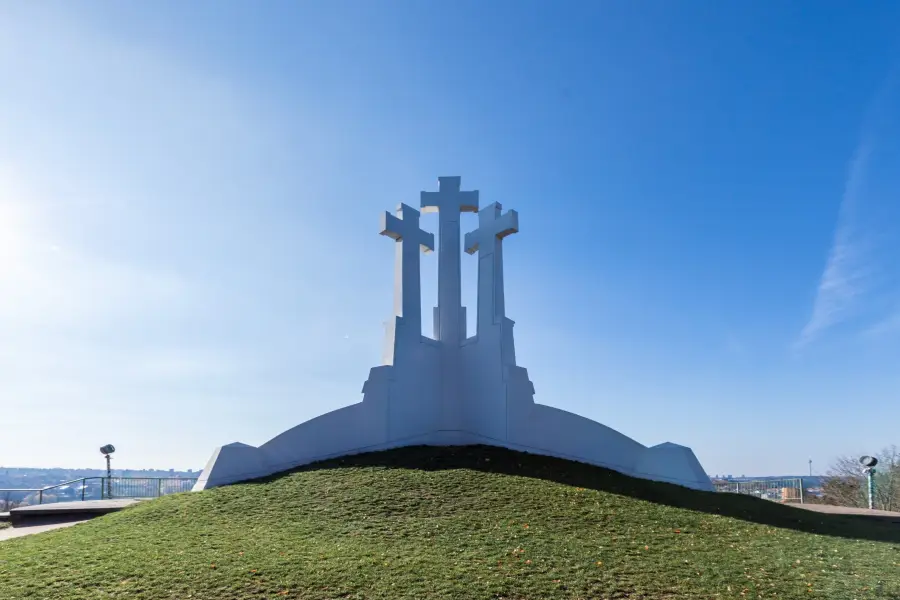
(407,265)
(449,202)
(493,226)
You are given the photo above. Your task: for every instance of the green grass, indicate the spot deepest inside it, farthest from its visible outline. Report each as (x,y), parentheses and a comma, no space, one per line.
(471,522)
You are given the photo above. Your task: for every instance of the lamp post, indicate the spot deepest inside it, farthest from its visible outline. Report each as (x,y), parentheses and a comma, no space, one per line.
(868,463)
(106,451)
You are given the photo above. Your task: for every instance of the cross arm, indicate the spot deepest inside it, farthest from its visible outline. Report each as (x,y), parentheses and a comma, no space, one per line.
(507,224)
(426,241)
(470,243)
(504,225)
(449,197)
(457,202)
(391,226)
(398,229)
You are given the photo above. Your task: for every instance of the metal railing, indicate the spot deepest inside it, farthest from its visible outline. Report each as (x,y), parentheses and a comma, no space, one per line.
(778,490)
(144,487)
(13,497)
(103,488)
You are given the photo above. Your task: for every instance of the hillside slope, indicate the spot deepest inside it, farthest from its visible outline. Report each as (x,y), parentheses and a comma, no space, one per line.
(472,522)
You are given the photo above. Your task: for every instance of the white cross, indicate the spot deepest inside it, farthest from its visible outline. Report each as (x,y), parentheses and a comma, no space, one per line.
(449,202)
(450,321)
(407,270)
(487,241)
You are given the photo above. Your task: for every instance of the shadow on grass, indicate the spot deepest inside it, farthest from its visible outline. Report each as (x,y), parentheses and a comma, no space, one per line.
(491,459)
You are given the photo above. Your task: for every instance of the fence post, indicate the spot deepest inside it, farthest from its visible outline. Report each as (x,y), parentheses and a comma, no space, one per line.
(41,497)
(871,482)
(801,490)
(83,486)
(159,488)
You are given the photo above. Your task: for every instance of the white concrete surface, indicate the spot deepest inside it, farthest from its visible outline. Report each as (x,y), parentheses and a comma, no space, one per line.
(448,389)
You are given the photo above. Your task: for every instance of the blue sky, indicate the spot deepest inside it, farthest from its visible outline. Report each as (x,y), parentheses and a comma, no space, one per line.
(190,195)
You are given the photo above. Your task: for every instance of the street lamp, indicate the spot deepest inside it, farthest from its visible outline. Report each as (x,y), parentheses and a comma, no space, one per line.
(868,463)
(106,451)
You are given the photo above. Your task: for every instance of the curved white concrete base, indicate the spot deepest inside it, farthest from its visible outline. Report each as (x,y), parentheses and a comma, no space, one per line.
(394,414)
(675,464)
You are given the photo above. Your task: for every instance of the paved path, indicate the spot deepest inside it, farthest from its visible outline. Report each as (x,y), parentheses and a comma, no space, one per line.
(884,515)
(14,532)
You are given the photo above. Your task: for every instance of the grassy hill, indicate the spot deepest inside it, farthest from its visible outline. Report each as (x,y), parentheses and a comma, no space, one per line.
(472,522)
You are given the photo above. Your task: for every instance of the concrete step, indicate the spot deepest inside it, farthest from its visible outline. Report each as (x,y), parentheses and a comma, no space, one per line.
(66,511)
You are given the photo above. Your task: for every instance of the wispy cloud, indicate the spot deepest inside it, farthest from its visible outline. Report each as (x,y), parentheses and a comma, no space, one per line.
(847,273)
(858,283)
